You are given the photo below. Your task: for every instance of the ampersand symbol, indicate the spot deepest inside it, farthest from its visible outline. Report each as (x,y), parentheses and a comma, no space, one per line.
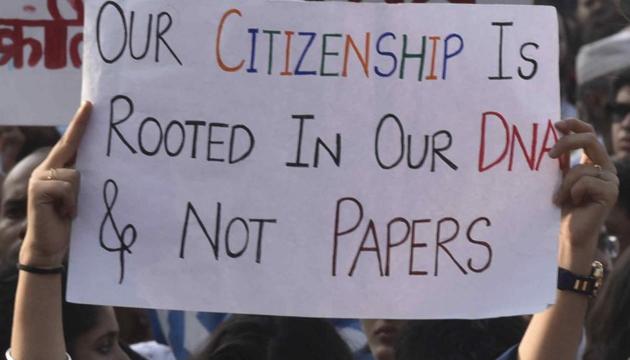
(126,238)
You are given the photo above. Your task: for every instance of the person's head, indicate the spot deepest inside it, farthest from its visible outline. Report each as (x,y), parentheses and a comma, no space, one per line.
(597,66)
(459,339)
(17,142)
(91,332)
(382,336)
(619,113)
(618,221)
(250,337)
(587,9)
(13,204)
(598,19)
(592,98)
(568,52)
(608,324)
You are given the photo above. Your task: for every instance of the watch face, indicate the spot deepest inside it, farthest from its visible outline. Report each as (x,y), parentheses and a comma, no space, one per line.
(598,276)
(598,270)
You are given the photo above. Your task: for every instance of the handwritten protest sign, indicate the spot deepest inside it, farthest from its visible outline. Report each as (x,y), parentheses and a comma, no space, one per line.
(40,59)
(318,159)
(510,2)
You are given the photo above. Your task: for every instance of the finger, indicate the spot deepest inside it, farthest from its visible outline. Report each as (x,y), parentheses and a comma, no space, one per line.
(574,125)
(577,172)
(587,141)
(69,175)
(595,190)
(580,127)
(66,148)
(59,194)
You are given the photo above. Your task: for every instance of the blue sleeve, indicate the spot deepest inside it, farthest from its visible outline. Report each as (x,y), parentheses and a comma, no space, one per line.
(511,354)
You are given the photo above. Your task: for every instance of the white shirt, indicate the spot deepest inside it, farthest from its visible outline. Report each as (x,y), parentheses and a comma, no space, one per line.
(9,357)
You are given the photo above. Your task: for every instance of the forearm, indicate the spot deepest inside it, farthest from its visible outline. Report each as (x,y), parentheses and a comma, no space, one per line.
(37,319)
(556,333)
(52,191)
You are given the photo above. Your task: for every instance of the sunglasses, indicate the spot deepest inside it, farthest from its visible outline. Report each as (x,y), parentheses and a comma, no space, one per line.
(618,111)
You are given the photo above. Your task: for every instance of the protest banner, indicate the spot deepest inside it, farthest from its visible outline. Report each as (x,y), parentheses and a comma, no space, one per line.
(40,61)
(318,159)
(480,2)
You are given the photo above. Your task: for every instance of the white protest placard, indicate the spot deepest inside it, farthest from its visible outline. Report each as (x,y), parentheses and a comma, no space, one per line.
(40,61)
(452,2)
(318,159)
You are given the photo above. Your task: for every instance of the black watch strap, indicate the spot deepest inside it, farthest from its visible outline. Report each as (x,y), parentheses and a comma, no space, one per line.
(580,284)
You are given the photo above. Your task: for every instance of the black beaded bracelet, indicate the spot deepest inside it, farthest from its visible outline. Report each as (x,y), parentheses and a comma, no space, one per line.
(40,271)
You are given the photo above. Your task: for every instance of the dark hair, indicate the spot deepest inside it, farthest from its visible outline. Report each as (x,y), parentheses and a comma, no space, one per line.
(608,324)
(8,287)
(621,80)
(249,337)
(623,173)
(564,7)
(568,84)
(606,23)
(77,319)
(459,339)
(37,137)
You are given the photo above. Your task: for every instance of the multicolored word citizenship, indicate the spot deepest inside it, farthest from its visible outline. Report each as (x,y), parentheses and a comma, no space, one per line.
(306,53)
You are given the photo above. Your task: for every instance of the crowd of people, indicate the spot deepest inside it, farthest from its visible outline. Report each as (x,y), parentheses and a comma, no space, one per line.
(589,319)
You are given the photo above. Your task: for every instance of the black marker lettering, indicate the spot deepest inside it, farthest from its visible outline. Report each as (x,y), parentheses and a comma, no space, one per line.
(113,124)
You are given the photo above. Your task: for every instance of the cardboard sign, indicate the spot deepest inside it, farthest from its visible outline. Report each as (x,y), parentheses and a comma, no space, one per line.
(318,159)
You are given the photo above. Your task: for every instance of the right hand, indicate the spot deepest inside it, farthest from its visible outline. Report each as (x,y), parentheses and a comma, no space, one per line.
(586,195)
(52,196)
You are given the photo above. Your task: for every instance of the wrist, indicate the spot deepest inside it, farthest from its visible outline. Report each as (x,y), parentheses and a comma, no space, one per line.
(32,257)
(578,260)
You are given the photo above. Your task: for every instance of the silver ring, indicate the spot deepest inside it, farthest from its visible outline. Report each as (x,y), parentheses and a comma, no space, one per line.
(52,174)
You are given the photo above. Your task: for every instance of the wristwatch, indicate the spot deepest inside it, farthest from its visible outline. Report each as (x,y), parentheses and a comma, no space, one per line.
(584,285)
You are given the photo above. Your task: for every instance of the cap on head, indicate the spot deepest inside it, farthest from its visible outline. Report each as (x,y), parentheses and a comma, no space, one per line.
(603,57)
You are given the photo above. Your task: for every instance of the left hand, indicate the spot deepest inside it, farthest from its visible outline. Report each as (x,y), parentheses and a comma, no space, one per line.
(52,195)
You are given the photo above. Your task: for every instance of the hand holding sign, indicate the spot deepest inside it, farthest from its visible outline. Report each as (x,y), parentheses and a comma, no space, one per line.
(587,193)
(52,196)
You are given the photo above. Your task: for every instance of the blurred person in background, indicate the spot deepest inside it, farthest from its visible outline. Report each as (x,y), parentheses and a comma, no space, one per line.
(597,65)
(619,114)
(17,142)
(13,205)
(618,222)
(568,51)
(253,337)
(459,339)
(608,325)
(598,19)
